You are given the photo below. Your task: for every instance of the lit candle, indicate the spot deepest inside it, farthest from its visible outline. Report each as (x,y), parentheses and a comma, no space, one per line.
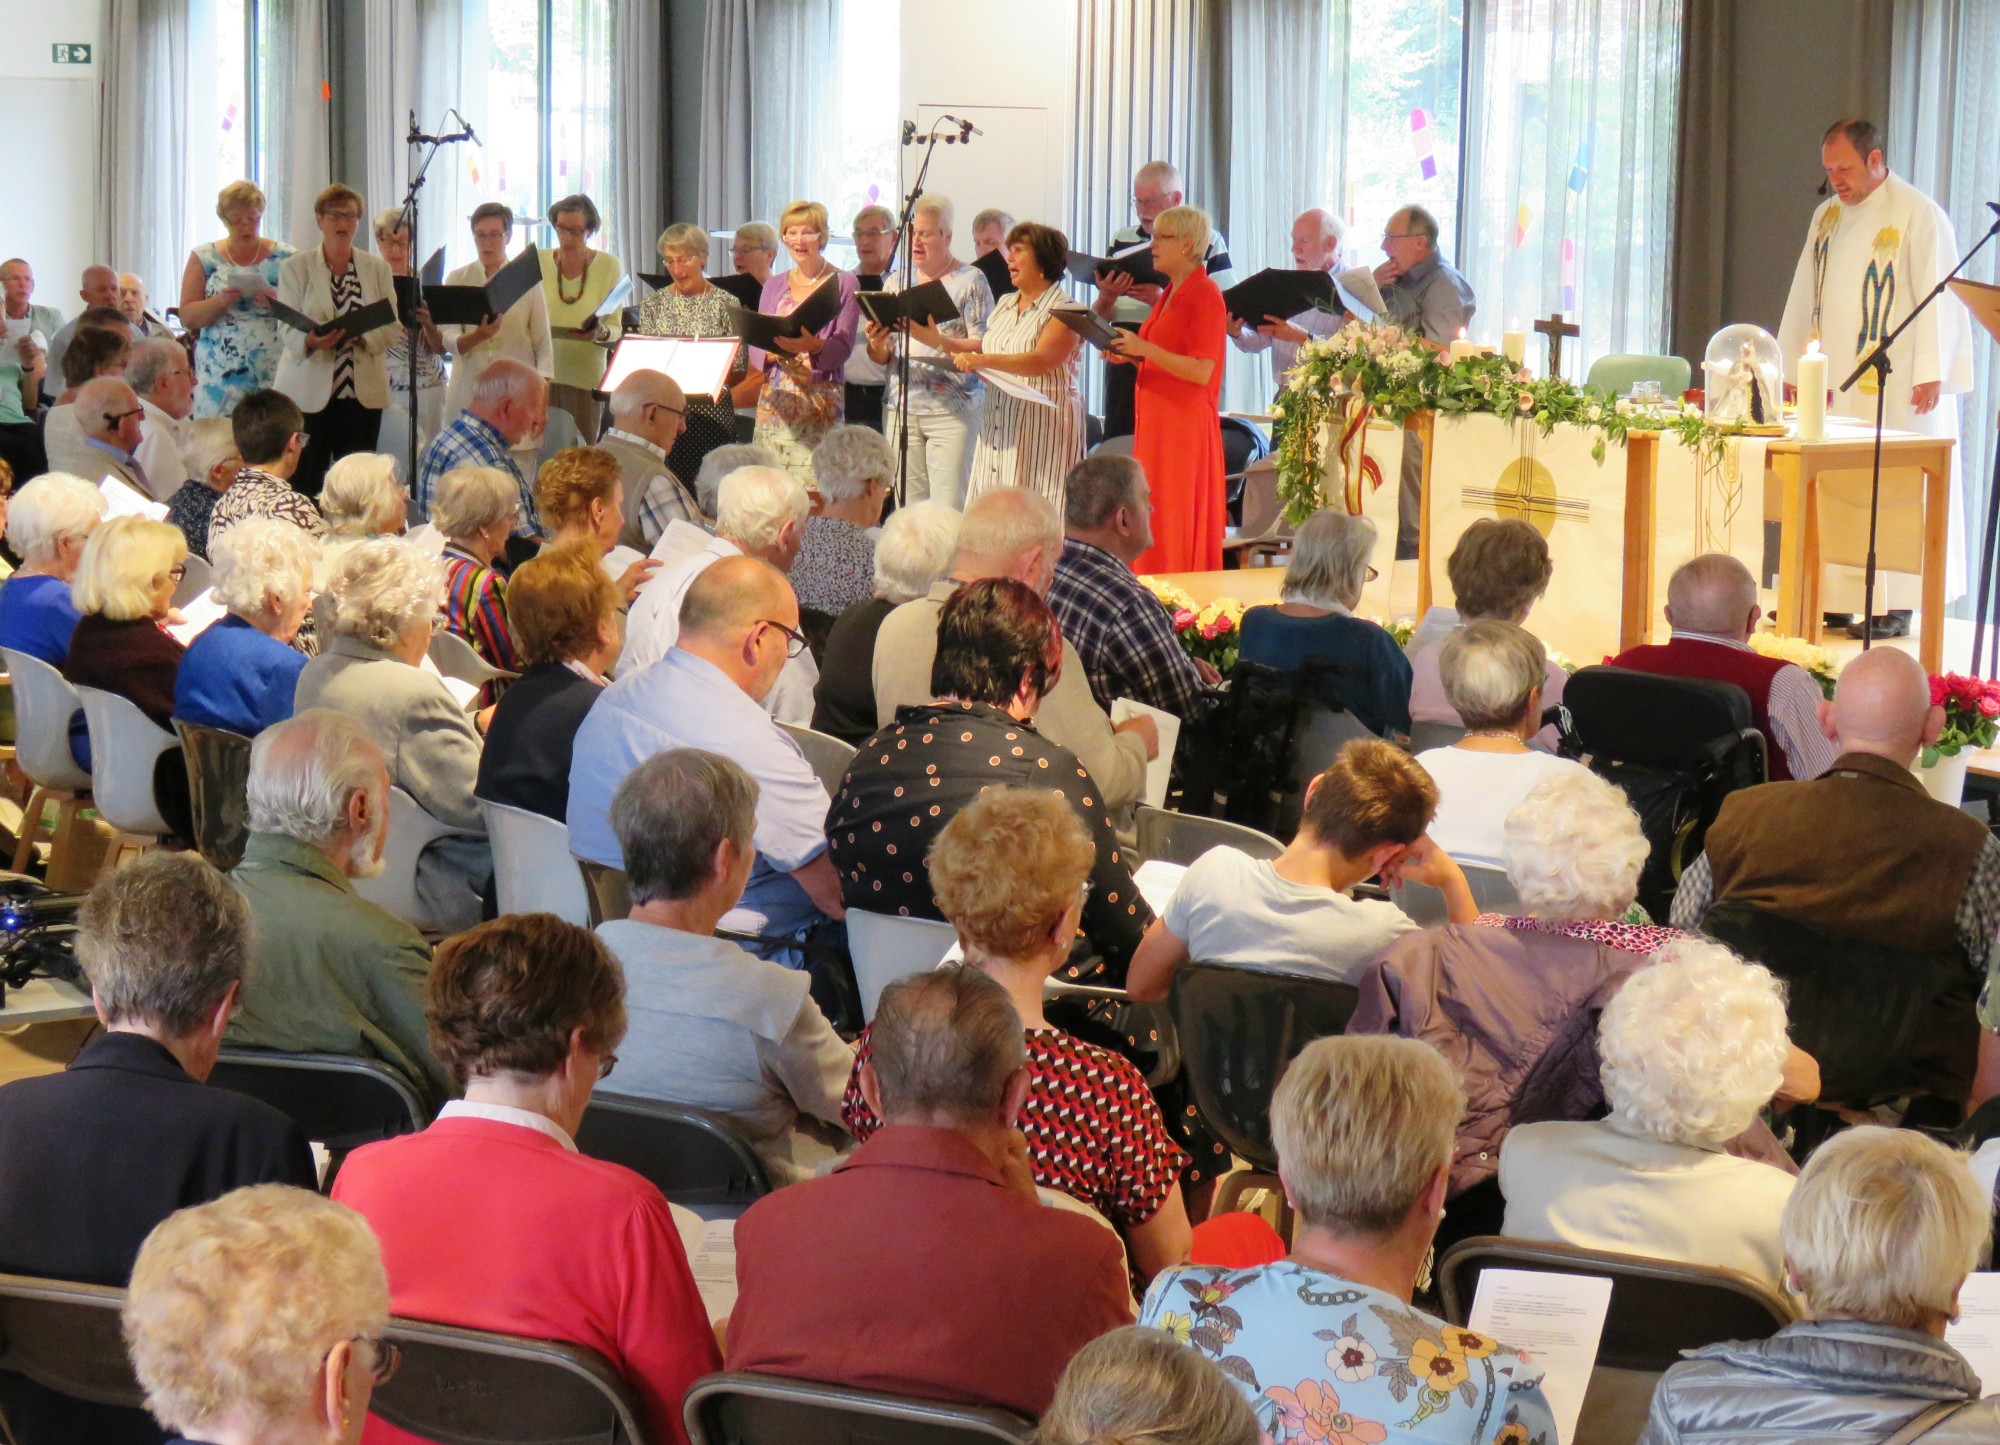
(1461,348)
(1514,346)
(1812,394)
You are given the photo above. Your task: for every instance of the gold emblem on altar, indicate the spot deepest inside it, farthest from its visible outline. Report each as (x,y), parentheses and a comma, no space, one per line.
(1525,491)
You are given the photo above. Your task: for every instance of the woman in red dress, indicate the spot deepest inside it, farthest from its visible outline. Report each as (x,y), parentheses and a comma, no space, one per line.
(1177,437)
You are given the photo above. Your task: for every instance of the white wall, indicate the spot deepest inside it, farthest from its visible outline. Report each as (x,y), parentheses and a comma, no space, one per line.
(1004,65)
(48,167)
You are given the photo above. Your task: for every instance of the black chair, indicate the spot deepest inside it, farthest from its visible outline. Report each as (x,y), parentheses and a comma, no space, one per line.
(737,1408)
(1245,764)
(61,1339)
(472,1387)
(336,1099)
(1243,442)
(1677,747)
(1658,1309)
(1239,1029)
(218,769)
(692,1156)
(1883,1022)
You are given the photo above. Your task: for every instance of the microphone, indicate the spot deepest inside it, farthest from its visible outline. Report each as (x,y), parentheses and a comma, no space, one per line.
(466,126)
(1994,207)
(967,130)
(909,132)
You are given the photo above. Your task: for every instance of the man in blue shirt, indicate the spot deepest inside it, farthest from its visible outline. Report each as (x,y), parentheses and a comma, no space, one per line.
(510,404)
(739,623)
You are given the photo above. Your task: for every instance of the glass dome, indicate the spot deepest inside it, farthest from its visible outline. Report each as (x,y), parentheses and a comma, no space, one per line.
(1743,377)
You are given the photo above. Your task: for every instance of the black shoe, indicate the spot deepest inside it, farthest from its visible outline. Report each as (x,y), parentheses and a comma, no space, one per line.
(1889,624)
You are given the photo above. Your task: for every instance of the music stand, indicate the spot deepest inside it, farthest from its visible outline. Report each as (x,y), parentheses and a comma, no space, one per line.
(1983,301)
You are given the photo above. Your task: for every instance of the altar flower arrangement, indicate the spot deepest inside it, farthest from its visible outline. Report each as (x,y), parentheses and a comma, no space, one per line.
(1815,660)
(1384,371)
(1211,632)
(1971,715)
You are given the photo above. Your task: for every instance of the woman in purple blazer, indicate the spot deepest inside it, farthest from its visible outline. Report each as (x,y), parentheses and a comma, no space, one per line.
(803,395)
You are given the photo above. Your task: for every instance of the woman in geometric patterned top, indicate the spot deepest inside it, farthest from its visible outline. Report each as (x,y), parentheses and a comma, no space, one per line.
(477,508)
(1011,872)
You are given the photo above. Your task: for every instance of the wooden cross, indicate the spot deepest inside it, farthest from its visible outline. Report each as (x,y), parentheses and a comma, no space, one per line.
(1555,328)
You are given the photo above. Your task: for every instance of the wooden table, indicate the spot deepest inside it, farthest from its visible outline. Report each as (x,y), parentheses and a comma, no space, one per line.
(44,1000)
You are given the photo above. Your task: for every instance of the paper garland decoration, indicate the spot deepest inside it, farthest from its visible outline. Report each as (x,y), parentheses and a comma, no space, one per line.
(1423,141)
(1523,218)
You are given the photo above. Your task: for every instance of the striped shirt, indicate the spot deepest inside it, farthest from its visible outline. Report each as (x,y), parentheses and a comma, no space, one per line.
(1022,444)
(346,296)
(475,607)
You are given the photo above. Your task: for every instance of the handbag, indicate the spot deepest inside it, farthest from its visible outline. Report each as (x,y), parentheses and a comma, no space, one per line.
(1929,1420)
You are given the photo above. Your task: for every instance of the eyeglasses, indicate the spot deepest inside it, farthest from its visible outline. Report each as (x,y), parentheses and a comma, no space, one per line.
(341,216)
(605,1065)
(876,234)
(1373,575)
(114,418)
(653,406)
(577,228)
(795,640)
(1388,236)
(386,1356)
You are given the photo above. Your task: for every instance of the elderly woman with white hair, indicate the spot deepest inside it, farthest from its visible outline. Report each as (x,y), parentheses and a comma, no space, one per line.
(476,510)
(1326,1342)
(1314,622)
(693,306)
(853,470)
(1493,673)
(1689,1051)
(385,599)
(362,498)
(914,549)
(240,673)
(208,446)
(48,522)
(1573,850)
(1879,1235)
(720,463)
(258,1317)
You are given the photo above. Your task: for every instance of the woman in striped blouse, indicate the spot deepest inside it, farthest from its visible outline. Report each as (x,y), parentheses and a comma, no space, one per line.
(476,509)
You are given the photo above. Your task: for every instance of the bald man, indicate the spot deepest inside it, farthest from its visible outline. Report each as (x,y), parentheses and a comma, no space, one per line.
(1317,236)
(108,410)
(1712,609)
(136,302)
(99,288)
(738,626)
(1863,851)
(648,415)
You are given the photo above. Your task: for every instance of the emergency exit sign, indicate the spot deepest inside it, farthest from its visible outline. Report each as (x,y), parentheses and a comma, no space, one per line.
(71,54)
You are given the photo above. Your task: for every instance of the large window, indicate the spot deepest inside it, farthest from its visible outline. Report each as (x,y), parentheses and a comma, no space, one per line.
(542,105)
(1397,144)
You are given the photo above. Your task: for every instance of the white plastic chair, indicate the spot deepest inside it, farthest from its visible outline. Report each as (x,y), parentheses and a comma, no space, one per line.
(394,889)
(886,947)
(124,743)
(455,657)
(194,581)
(829,756)
(533,871)
(1491,890)
(43,705)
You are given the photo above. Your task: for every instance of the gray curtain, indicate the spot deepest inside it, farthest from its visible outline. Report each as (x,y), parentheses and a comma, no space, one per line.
(389,86)
(638,189)
(142,218)
(1701,221)
(297,137)
(770,108)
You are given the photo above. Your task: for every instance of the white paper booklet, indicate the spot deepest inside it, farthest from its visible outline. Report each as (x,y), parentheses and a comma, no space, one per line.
(711,1252)
(197,615)
(680,538)
(1014,386)
(1160,768)
(1361,295)
(1557,1318)
(1976,1332)
(1157,880)
(121,500)
(619,558)
(465,694)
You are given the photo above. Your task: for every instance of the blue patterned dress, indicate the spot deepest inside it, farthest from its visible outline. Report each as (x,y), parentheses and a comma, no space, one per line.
(237,353)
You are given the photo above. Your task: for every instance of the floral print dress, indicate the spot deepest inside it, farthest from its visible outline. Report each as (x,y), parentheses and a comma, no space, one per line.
(238,352)
(1325,1361)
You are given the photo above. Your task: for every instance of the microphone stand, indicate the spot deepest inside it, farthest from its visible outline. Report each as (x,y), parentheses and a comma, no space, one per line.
(407,224)
(1878,362)
(906,271)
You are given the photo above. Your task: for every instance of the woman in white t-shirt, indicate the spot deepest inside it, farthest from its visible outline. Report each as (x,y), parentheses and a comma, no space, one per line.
(1493,673)
(1364,816)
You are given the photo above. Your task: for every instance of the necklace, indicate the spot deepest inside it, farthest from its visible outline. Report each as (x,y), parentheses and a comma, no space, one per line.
(232,246)
(1498,734)
(582,280)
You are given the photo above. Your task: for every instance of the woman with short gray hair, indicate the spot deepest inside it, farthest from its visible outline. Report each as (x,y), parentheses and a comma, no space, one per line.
(240,673)
(709,1024)
(853,470)
(1493,674)
(690,305)
(386,595)
(1314,623)
(1879,1235)
(362,498)
(476,510)
(48,521)
(914,550)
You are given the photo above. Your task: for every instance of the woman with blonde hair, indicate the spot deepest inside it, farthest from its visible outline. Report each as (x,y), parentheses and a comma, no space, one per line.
(123,591)
(1139,1386)
(362,498)
(804,395)
(257,1319)
(241,672)
(227,289)
(694,306)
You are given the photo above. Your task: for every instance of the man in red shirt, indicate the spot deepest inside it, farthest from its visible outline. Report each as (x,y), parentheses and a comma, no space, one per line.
(926,1264)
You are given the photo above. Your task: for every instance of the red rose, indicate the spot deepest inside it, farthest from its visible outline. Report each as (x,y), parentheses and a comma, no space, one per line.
(1937,684)
(1989,706)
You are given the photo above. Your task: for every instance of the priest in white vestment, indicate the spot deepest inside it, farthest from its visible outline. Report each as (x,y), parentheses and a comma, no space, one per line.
(1875,249)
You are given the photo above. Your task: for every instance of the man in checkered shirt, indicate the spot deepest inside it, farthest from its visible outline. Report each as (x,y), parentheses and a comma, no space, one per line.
(1119,629)
(510,403)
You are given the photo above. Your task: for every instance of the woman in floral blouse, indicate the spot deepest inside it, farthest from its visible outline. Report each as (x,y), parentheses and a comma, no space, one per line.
(694,306)
(1325,1342)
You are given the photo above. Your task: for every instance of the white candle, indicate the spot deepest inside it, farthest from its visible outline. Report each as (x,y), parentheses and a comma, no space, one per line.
(1514,346)
(1460,347)
(1812,394)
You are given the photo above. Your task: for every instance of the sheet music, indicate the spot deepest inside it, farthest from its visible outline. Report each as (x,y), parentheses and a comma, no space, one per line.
(1976,1332)
(1159,769)
(1358,290)
(700,367)
(1014,386)
(465,694)
(1558,1318)
(197,616)
(680,538)
(1158,881)
(619,558)
(246,279)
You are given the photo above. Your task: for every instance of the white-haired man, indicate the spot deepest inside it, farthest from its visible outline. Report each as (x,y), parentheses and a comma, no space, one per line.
(760,513)
(1156,187)
(335,974)
(1712,608)
(135,302)
(1317,236)
(1008,532)
(510,404)
(866,378)
(1862,851)
(159,373)
(648,414)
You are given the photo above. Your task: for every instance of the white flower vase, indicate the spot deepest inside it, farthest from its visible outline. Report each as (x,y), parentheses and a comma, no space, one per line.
(1945,778)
